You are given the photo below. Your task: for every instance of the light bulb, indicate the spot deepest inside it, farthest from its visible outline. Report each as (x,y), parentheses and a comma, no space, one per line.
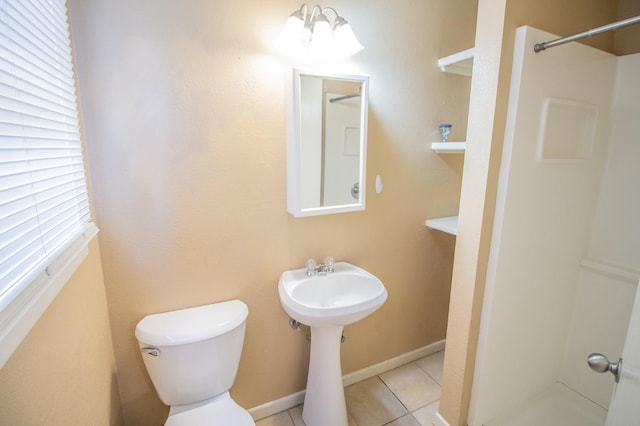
(290,39)
(345,41)
(321,38)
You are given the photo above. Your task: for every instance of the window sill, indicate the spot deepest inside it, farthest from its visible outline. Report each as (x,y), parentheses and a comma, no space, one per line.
(22,313)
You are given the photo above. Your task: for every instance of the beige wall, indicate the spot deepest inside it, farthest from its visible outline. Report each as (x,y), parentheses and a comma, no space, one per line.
(185,122)
(64,372)
(497,20)
(627,39)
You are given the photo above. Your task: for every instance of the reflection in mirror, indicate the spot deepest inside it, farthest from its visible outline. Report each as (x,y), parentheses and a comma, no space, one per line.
(326,143)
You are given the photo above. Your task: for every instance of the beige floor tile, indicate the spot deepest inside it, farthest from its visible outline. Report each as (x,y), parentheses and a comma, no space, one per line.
(371,403)
(280,419)
(352,421)
(432,364)
(296,415)
(379,401)
(407,420)
(412,385)
(426,416)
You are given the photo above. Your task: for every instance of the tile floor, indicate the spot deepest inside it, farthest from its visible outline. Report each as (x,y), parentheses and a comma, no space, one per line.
(405,396)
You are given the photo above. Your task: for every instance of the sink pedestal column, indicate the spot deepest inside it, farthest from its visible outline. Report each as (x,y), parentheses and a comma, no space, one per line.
(324,402)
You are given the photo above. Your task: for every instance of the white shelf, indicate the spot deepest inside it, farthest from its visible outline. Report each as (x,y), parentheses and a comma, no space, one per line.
(445,224)
(459,63)
(449,147)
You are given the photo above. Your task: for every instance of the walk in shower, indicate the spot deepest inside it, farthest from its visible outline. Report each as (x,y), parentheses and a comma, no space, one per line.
(564,263)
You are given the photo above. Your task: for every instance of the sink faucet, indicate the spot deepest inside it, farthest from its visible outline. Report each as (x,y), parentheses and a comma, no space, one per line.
(324,268)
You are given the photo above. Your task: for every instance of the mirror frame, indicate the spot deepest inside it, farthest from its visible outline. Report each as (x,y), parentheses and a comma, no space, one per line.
(294,143)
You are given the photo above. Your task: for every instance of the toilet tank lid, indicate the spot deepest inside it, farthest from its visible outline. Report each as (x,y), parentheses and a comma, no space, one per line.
(191,325)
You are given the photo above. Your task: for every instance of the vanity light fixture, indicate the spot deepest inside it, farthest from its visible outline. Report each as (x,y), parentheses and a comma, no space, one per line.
(316,36)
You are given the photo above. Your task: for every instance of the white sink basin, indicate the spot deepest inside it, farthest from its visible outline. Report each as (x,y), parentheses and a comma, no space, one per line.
(327,303)
(342,297)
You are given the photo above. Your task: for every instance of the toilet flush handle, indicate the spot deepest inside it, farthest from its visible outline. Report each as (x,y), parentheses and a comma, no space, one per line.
(151,351)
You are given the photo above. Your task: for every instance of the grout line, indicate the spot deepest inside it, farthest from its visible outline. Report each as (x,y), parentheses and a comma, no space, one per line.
(395,396)
(429,374)
(293,422)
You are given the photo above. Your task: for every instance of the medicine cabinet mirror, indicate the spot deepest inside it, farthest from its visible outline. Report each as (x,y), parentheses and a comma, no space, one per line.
(326,142)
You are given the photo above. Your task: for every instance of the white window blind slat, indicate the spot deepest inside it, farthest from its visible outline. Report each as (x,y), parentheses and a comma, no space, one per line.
(37,40)
(38,180)
(38,85)
(34,170)
(30,93)
(35,46)
(37,57)
(41,78)
(17,155)
(43,193)
(57,233)
(15,228)
(33,81)
(15,211)
(16,251)
(37,108)
(25,260)
(12,212)
(9,142)
(23,123)
(38,18)
(11,95)
(21,202)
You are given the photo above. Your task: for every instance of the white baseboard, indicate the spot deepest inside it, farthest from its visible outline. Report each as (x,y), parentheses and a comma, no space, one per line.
(274,407)
(286,402)
(390,364)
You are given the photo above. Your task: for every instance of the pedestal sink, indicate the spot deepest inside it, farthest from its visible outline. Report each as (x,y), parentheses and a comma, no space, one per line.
(326,303)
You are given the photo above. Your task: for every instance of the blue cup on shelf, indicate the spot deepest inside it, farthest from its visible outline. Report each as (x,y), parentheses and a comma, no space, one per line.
(445,131)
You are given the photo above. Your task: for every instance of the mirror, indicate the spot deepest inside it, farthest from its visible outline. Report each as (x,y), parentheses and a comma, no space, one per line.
(326,142)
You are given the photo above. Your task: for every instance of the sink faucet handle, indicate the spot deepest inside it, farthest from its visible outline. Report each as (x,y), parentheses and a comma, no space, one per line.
(329,262)
(311,266)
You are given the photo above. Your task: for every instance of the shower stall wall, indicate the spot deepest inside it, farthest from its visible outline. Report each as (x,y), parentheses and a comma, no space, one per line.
(565,255)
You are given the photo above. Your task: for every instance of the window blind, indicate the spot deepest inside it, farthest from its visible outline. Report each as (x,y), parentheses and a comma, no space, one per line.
(44,205)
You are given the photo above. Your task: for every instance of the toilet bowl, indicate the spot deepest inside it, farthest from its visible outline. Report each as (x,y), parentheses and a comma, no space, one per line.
(192,358)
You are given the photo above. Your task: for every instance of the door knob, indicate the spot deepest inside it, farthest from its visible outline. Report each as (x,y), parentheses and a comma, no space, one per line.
(601,364)
(355,190)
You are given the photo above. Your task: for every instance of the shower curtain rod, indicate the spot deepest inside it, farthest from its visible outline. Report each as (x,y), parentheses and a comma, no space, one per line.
(610,27)
(342,98)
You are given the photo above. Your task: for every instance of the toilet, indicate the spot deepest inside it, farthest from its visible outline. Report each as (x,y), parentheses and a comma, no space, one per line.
(192,357)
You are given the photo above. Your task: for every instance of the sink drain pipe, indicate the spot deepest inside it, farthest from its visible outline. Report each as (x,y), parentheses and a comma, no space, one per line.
(295,324)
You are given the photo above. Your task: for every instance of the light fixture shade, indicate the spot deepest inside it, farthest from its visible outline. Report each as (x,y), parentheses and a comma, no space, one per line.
(346,43)
(290,39)
(315,37)
(322,44)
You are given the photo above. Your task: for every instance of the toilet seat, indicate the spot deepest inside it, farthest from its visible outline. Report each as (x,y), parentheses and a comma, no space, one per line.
(221,410)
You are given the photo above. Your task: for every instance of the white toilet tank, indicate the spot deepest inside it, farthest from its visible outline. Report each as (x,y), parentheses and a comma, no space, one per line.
(193,354)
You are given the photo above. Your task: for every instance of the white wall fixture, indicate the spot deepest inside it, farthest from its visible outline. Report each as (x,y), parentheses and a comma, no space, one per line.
(459,63)
(447,224)
(378,184)
(313,35)
(326,142)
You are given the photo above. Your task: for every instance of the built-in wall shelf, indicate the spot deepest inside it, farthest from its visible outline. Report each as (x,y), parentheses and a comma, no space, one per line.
(445,224)
(459,63)
(449,147)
